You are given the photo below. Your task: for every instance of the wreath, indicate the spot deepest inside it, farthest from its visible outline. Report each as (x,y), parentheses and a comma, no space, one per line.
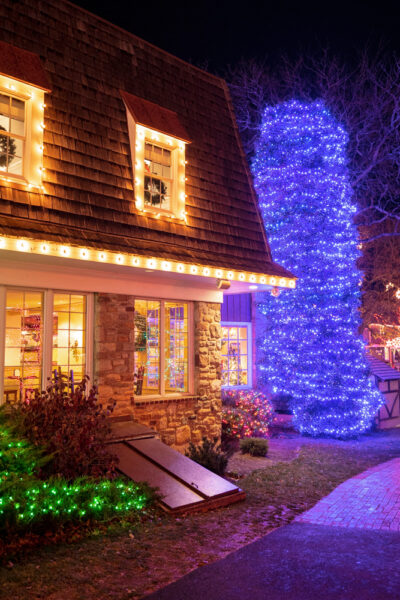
(12,148)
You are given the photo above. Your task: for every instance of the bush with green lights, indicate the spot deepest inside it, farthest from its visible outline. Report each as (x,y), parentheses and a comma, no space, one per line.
(30,503)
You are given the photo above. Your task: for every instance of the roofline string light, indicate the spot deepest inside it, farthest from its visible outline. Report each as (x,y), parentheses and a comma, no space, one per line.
(44,247)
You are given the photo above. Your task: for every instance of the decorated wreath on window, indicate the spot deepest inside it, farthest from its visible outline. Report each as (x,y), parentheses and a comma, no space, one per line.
(12,148)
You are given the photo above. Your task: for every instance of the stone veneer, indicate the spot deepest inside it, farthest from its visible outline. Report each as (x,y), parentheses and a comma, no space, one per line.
(177,420)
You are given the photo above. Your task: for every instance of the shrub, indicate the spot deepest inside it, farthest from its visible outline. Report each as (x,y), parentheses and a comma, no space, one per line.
(245,413)
(17,455)
(254,446)
(27,503)
(209,455)
(72,425)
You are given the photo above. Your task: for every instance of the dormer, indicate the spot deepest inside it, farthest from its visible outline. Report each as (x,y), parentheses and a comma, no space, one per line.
(158,145)
(23,84)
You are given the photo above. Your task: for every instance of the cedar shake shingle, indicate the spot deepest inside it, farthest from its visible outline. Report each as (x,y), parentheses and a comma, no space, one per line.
(89,178)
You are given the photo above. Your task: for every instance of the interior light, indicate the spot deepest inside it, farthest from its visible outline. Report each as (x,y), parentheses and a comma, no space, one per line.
(180,268)
(102,256)
(65,251)
(119,258)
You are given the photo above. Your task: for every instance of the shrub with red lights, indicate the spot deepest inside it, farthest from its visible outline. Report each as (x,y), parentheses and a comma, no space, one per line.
(245,413)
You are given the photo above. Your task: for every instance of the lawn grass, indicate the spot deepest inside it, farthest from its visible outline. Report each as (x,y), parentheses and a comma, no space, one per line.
(131,561)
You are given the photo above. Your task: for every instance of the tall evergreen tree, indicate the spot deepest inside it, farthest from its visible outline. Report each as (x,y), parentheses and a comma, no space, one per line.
(308,344)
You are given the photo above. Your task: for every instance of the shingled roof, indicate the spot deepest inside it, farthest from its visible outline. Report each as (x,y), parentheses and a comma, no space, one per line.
(89,196)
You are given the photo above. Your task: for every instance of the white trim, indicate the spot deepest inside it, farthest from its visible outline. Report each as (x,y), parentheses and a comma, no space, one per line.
(2,339)
(191,348)
(56,273)
(161,363)
(47,347)
(248,325)
(89,337)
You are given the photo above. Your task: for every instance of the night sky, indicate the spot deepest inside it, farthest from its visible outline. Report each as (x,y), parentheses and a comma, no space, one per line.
(215,33)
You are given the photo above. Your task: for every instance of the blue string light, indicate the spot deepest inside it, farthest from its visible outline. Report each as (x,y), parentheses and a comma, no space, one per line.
(309,349)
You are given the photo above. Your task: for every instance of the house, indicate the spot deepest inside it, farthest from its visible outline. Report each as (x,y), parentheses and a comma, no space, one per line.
(126,212)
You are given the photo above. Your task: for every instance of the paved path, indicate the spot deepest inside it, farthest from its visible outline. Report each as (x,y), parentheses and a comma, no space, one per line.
(345,548)
(370,500)
(300,562)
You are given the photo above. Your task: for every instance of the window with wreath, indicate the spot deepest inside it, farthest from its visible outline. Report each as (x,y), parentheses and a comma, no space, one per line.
(158,146)
(158,176)
(23,85)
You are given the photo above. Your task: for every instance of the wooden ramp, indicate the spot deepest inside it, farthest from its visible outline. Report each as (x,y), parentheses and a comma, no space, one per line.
(183,484)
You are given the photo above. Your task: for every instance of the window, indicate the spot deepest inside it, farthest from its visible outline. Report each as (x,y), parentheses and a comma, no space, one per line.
(159,174)
(158,145)
(69,320)
(44,332)
(236,355)
(161,347)
(157,177)
(24,344)
(21,132)
(12,134)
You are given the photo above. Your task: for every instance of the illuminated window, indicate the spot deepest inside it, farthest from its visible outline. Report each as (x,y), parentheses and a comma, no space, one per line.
(158,177)
(176,346)
(21,132)
(161,347)
(45,335)
(69,328)
(236,355)
(12,134)
(23,344)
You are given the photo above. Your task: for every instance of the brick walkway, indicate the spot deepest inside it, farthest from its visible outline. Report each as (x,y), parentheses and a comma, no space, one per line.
(370,500)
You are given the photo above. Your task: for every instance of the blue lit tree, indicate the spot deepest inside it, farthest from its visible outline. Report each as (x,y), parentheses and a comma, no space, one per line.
(308,347)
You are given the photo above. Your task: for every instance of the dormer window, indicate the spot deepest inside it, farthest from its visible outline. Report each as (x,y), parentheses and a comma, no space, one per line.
(23,84)
(158,143)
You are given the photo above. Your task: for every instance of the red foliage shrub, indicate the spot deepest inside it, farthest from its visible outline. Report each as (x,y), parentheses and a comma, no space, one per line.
(72,425)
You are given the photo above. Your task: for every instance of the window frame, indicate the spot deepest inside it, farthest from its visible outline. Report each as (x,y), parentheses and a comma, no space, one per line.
(47,345)
(9,134)
(190,346)
(33,99)
(249,327)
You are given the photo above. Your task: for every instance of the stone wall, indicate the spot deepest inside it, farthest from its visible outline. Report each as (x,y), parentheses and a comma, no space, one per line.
(177,420)
(114,350)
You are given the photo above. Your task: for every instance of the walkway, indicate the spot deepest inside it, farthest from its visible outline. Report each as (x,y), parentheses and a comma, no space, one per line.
(345,548)
(370,500)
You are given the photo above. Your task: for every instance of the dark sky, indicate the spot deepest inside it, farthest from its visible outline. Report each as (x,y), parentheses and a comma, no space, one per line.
(216,33)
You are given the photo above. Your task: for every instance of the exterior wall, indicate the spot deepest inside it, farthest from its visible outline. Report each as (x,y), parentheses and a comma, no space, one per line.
(114,350)
(177,420)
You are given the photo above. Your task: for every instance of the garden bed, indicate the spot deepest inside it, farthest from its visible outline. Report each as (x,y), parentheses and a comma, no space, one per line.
(131,560)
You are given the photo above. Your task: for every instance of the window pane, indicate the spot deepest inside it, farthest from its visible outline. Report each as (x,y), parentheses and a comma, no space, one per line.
(69,330)
(15,152)
(23,344)
(147,347)
(4,122)
(234,351)
(176,347)
(3,152)
(17,126)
